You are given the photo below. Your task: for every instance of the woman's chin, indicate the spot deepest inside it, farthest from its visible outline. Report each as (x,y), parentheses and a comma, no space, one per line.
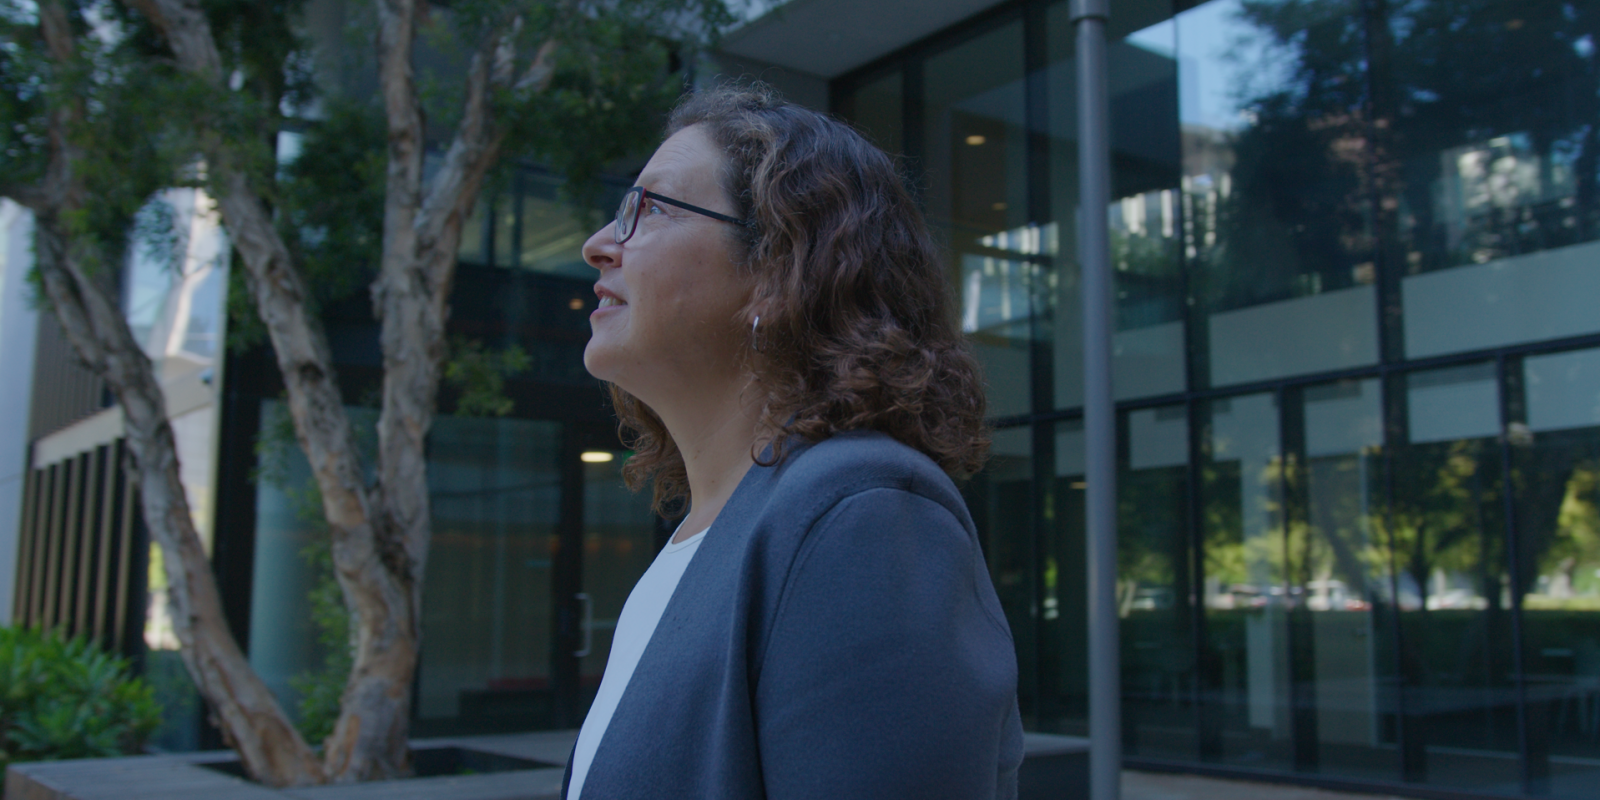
(601,361)
(594,361)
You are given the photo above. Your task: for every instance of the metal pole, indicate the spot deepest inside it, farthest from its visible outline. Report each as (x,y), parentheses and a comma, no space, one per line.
(1099,410)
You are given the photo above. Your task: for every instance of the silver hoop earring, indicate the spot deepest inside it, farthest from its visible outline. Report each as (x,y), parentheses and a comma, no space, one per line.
(755,342)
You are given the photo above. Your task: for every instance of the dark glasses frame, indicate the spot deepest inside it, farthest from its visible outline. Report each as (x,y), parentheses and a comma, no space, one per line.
(628,223)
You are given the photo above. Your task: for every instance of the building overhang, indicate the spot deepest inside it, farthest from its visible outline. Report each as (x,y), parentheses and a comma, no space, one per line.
(828,38)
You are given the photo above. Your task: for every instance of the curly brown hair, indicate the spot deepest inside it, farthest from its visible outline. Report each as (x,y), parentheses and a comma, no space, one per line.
(857,330)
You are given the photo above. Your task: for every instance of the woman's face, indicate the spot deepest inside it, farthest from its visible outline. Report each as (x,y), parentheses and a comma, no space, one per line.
(670,296)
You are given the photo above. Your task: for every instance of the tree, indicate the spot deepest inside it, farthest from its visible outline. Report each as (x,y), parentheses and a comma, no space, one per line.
(106,103)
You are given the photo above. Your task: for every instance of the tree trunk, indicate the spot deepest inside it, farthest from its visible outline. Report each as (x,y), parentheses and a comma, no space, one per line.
(421,235)
(370,739)
(380,536)
(249,715)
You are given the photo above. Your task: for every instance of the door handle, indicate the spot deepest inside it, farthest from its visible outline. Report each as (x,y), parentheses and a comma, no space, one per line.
(587,624)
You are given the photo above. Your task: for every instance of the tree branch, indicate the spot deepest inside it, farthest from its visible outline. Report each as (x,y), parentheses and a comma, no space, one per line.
(397,20)
(475,147)
(184,25)
(315,402)
(369,739)
(93,324)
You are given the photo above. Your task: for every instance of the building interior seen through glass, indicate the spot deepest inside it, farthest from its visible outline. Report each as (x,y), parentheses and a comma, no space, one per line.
(535,542)
(1355,252)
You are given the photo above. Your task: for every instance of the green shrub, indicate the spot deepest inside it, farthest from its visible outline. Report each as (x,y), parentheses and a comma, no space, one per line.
(62,698)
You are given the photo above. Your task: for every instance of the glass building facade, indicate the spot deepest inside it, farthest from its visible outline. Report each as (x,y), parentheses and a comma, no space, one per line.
(536,541)
(1356,249)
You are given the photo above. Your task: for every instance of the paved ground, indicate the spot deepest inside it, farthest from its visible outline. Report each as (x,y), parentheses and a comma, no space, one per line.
(1159,786)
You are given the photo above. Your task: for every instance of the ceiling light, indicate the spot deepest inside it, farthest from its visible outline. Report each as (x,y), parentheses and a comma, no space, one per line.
(976,139)
(576,304)
(596,456)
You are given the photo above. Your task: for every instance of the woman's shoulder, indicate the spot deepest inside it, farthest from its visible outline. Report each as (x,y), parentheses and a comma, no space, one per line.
(857,461)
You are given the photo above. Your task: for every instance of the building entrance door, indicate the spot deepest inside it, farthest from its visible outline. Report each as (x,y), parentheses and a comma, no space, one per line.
(615,536)
(536,544)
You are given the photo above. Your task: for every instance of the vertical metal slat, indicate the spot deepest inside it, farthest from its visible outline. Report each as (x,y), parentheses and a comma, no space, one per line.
(25,548)
(53,549)
(71,529)
(125,506)
(106,532)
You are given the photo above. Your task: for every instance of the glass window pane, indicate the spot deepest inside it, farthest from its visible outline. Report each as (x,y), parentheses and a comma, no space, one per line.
(1158,646)
(1275,196)
(474,234)
(619,542)
(552,235)
(291,563)
(1557,475)
(504,214)
(1245,684)
(1563,390)
(495,488)
(1494,171)
(1146,165)
(1445,534)
(976,165)
(876,110)
(1063,589)
(1000,499)
(1453,403)
(1341,583)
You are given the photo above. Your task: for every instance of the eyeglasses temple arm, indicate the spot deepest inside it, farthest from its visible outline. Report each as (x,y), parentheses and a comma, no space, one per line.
(698,210)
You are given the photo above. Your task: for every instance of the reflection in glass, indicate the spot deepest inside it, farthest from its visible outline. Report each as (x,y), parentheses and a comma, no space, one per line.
(1491,174)
(1453,403)
(1445,528)
(876,109)
(535,227)
(504,236)
(1340,581)
(291,553)
(475,232)
(976,145)
(1153,586)
(1245,681)
(552,235)
(1063,588)
(619,542)
(1405,587)
(1557,479)
(1000,499)
(495,490)
(1148,345)
(1276,204)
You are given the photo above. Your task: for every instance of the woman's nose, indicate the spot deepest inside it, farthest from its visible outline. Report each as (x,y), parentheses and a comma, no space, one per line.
(602,250)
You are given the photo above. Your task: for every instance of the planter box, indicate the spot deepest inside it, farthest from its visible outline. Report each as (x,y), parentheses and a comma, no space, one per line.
(1055,767)
(206,776)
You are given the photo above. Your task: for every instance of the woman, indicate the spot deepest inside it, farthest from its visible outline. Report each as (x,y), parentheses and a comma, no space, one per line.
(777,335)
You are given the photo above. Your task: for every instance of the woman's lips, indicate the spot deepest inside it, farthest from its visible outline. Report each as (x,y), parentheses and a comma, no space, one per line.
(607,303)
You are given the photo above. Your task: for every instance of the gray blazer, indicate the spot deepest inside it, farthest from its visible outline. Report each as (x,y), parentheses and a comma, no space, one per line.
(836,636)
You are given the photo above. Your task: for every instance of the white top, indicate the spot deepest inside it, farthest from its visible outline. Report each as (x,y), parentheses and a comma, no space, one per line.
(635,626)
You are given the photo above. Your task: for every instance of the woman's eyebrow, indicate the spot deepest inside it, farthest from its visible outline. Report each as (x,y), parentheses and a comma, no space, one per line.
(655,182)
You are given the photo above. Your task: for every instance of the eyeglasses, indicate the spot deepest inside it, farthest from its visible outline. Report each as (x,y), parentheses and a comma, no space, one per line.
(633,201)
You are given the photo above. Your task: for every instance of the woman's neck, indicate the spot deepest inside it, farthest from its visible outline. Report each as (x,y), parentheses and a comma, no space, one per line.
(715,433)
